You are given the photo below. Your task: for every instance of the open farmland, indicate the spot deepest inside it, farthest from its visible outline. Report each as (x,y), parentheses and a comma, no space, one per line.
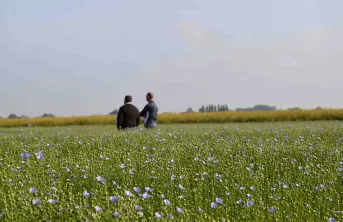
(232,172)
(173,118)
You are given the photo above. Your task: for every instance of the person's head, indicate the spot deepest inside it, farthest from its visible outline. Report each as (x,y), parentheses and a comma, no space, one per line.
(149,97)
(128,99)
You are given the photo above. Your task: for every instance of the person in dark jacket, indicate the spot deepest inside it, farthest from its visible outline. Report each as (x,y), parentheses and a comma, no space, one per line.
(128,115)
(150,112)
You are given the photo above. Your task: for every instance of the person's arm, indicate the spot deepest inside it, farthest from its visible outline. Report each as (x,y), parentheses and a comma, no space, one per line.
(138,118)
(144,111)
(120,118)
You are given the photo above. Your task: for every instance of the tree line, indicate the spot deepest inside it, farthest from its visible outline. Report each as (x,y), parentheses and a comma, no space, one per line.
(225,108)
(213,108)
(15,116)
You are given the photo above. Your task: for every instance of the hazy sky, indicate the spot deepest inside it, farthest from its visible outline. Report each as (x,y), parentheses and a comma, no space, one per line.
(81,57)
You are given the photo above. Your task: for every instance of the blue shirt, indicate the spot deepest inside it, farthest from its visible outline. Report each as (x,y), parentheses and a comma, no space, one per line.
(150,112)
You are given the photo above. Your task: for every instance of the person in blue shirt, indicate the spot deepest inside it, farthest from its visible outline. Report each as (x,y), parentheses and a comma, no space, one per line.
(150,112)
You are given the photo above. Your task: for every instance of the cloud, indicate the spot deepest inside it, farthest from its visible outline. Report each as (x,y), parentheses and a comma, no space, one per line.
(299,69)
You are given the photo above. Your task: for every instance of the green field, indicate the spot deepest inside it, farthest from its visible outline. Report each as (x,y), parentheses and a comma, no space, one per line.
(289,171)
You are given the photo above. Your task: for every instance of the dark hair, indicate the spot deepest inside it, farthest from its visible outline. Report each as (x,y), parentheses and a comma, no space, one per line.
(128,99)
(149,96)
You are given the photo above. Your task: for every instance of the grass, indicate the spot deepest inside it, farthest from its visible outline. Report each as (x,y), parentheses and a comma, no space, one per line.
(219,117)
(208,172)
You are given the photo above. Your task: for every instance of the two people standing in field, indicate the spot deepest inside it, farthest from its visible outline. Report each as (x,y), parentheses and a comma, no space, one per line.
(129,116)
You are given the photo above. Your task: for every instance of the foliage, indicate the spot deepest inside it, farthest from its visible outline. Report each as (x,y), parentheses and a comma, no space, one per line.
(189,110)
(264,173)
(258,108)
(48,115)
(295,108)
(213,108)
(12,116)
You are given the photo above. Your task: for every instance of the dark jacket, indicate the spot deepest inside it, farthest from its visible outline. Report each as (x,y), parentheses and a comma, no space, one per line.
(128,117)
(150,111)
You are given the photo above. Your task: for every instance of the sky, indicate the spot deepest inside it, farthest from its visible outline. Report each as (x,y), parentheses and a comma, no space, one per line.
(82,57)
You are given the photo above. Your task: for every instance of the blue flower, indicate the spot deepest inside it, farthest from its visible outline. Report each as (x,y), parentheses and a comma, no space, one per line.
(167,202)
(128,193)
(179,210)
(25,156)
(114,199)
(86,194)
(116,214)
(148,189)
(137,190)
(36,202)
(100,179)
(219,201)
(181,187)
(158,215)
(239,202)
(146,195)
(33,190)
(214,205)
(52,201)
(98,209)
(272,210)
(39,155)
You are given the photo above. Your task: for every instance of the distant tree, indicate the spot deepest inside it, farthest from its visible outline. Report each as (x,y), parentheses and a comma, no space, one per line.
(213,108)
(48,115)
(12,116)
(295,108)
(226,108)
(221,108)
(257,108)
(114,112)
(318,108)
(264,108)
(189,110)
(244,109)
(23,117)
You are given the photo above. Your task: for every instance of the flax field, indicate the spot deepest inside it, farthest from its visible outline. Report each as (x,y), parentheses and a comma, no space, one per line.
(225,172)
